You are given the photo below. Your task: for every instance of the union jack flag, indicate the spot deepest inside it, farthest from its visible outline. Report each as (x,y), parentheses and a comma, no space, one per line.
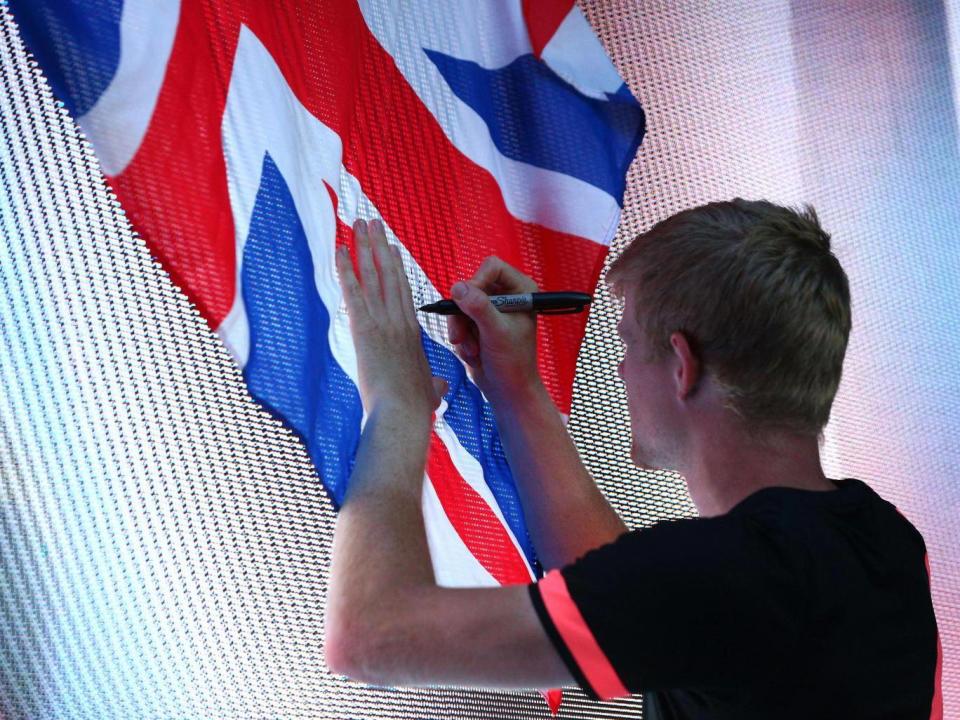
(243,138)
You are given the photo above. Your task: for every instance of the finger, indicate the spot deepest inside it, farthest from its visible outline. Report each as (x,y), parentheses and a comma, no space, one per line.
(457,328)
(499,277)
(352,292)
(387,271)
(475,303)
(368,270)
(405,293)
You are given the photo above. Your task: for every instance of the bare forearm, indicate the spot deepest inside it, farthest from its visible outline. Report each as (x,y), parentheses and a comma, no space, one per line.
(379,547)
(565,511)
(387,622)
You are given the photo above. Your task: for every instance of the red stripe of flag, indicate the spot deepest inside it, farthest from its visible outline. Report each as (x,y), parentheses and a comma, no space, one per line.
(175,189)
(543,17)
(475,523)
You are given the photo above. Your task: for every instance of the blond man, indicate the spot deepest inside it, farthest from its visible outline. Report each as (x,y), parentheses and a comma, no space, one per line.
(791,595)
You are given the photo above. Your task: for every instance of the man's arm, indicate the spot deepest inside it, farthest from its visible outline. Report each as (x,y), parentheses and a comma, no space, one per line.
(386,621)
(566,513)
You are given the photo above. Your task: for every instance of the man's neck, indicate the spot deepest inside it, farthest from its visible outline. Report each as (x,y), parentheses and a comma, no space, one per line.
(725,468)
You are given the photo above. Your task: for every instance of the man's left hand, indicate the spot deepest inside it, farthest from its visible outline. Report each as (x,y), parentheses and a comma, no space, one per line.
(393,370)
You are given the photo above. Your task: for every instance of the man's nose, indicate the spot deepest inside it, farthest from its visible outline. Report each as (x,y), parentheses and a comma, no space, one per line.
(620,369)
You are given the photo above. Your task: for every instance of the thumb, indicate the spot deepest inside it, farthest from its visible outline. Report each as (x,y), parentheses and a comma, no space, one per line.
(477,306)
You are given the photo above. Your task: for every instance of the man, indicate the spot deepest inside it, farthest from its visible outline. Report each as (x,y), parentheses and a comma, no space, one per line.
(791,596)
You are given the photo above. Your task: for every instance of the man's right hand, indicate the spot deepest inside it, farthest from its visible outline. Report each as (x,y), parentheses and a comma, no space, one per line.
(566,513)
(500,348)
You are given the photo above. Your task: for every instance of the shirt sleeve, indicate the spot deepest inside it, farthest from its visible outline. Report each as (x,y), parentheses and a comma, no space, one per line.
(705,602)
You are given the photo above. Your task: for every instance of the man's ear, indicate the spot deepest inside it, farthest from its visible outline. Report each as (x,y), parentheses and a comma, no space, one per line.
(688,367)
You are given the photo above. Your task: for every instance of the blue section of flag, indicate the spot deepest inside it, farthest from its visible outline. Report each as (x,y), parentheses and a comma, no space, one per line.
(77,43)
(471,419)
(290,368)
(538,118)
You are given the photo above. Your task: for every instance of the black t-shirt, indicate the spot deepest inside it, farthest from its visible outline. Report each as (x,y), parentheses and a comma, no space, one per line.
(796,603)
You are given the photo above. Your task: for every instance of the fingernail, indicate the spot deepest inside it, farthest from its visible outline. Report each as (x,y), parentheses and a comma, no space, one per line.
(459,290)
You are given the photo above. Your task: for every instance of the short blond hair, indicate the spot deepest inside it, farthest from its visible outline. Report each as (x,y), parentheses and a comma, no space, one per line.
(759,295)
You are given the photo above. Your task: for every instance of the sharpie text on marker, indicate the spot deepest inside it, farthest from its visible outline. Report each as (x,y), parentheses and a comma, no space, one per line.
(543,303)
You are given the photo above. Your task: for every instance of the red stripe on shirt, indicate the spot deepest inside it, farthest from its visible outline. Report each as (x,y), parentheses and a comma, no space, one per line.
(578,637)
(936,707)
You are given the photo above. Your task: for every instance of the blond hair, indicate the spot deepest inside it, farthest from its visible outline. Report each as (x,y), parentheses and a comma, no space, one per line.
(759,295)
